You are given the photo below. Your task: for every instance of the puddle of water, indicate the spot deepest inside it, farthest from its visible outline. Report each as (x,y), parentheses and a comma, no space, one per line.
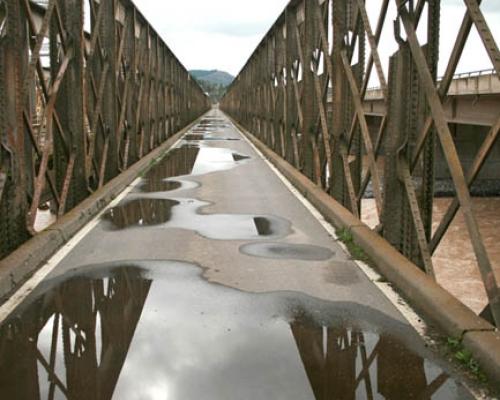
(184,214)
(239,157)
(194,160)
(188,160)
(209,128)
(207,137)
(205,128)
(287,251)
(200,130)
(263,226)
(193,137)
(230,226)
(159,185)
(213,159)
(178,162)
(213,121)
(151,330)
(140,212)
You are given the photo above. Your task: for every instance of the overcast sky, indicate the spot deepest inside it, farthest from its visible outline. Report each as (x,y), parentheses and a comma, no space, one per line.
(221,34)
(212,34)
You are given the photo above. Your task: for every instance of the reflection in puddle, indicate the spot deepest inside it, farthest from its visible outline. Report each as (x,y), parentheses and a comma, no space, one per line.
(159,185)
(140,212)
(206,134)
(287,251)
(263,226)
(178,162)
(239,157)
(193,137)
(213,123)
(221,138)
(212,159)
(157,330)
(184,214)
(207,137)
(189,160)
(200,130)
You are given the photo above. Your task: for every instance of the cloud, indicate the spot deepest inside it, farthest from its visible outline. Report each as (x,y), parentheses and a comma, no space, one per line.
(222,34)
(492,7)
(216,34)
(486,5)
(237,29)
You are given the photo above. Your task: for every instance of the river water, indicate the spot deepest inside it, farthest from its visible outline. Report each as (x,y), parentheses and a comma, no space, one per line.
(454,260)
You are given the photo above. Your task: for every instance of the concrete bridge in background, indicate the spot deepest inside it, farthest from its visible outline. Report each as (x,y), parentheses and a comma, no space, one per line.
(473,99)
(308,238)
(471,109)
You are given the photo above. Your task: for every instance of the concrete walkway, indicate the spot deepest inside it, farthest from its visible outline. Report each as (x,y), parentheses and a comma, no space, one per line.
(211,279)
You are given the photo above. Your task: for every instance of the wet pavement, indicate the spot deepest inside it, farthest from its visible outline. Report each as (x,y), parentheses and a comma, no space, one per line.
(151,330)
(210,280)
(185,214)
(287,251)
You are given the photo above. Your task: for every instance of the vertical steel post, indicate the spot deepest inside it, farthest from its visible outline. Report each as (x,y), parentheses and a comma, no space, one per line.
(69,145)
(15,160)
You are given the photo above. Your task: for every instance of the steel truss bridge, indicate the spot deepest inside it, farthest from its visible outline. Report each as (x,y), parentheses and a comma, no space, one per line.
(88,88)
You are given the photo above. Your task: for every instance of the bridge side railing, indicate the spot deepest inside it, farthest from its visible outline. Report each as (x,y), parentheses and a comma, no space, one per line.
(484,81)
(319,46)
(87,87)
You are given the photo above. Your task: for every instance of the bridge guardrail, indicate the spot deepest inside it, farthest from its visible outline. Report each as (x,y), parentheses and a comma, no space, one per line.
(485,81)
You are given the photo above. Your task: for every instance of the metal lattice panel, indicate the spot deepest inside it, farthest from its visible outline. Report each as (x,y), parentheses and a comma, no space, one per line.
(87,88)
(325,78)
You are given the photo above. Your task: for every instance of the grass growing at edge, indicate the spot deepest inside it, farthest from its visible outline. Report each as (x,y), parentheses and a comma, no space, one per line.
(465,358)
(345,236)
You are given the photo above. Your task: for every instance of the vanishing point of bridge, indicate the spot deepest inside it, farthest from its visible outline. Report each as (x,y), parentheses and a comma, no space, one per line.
(309,237)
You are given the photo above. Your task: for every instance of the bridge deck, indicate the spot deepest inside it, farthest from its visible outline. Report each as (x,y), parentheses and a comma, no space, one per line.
(211,279)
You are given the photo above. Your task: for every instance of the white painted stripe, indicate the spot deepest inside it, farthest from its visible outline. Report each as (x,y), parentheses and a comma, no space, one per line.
(9,306)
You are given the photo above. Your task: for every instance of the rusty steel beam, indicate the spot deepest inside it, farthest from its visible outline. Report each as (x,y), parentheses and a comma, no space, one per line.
(14,203)
(329,137)
(73,120)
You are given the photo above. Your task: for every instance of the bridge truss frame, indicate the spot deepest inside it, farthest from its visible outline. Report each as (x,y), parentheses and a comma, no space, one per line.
(318,47)
(87,88)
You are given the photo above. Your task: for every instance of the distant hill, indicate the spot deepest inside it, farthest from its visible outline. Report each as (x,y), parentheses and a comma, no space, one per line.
(214,76)
(213,82)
